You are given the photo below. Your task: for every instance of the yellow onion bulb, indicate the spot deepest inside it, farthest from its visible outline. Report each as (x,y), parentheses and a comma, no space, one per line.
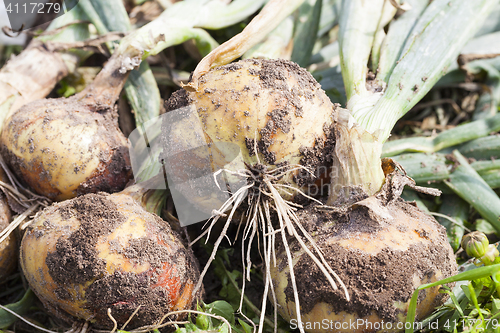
(8,247)
(63,148)
(381,253)
(270,107)
(96,252)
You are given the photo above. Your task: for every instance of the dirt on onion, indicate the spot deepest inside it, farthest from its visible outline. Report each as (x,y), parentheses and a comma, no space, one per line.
(70,146)
(9,246)
(270,107)
(98,252)
(383,248)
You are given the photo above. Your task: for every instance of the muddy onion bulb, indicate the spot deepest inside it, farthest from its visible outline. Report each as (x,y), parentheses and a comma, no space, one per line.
(381,252)
(96,252)
(272,107)
(8,247)
(70,146)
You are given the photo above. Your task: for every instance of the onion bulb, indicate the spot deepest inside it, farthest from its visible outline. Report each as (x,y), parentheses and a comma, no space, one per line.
(70,146)
(382,250)
(266,127)
(96,252)
(270,107)
(8,246)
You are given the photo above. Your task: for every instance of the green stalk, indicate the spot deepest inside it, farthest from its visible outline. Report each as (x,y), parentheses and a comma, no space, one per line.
(277,43)
(393,44)
(482,148)
(432,169)
(359,22)
(177,25)
(431,47)
(467,184)
(458,210)
(266,21)
(460,134)
(306,30)
(141,88)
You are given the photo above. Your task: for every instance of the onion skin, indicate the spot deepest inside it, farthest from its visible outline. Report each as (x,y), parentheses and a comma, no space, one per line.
(99,251)
(409,240)
(63,148)
(270,106)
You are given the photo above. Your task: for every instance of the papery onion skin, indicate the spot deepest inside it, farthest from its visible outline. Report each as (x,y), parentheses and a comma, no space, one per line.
(273,107)
(97,252)
(63,148)
(381,260)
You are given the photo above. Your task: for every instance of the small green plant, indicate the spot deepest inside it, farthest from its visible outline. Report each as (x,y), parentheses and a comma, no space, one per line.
(474,304)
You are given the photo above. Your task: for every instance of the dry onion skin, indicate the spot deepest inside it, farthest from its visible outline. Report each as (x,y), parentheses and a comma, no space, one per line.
(97,252)
(70,146)
(272,107)
(382,252)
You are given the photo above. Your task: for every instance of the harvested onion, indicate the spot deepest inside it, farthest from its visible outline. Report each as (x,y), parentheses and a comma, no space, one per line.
(272,107)
(97,252)
(70,146)
(8,247)
(382,252)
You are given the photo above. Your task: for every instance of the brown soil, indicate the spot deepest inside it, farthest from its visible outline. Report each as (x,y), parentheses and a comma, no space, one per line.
(76,262)
(374,282)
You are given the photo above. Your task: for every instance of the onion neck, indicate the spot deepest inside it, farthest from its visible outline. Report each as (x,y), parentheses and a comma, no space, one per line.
(108,84)
(152,200)
(357,165)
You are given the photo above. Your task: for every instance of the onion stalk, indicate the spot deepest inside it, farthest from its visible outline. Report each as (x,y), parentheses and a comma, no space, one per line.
(35,72)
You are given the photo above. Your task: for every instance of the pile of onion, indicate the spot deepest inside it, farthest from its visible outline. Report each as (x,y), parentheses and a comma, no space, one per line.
(377,247)
(102,256)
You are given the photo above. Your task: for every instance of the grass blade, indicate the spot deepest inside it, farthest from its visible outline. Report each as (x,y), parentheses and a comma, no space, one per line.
(460,134)
(477,273)
(21,307)
(306,30)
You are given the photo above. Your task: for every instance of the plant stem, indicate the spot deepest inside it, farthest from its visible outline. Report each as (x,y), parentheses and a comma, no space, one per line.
(356,164)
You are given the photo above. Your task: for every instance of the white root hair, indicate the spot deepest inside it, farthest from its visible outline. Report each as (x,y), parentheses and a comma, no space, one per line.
(258,223)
